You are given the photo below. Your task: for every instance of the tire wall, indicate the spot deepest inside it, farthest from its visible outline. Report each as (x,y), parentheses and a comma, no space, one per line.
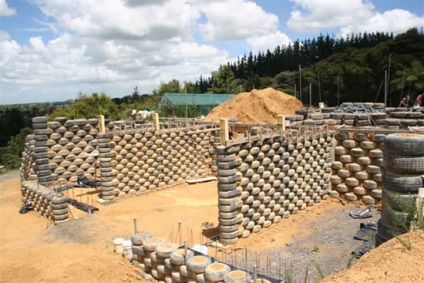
(26,170)
(125,161)
(384,117)
(358,166)
(147,159)
(166,262)
(402,178)
(46,202)
(272,180)
(65,149)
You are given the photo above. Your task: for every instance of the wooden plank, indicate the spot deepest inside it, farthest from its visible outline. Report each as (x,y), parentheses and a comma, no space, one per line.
(201,180)
(102,127)
(225,135)
(372,130)
(155,117)
(281,122)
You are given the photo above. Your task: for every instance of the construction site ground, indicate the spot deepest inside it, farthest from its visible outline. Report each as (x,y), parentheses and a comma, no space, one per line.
(81,250)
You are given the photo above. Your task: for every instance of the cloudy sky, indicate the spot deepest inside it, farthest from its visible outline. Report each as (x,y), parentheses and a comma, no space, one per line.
(52,49)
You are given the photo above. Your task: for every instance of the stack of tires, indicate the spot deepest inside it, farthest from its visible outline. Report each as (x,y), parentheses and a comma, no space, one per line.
(229,203)
(137,248)
(160,261)
(196,267)
(26,170)
(150,260)
(106,176)
(178,264)
(403,156)
(41,157)
(59,207)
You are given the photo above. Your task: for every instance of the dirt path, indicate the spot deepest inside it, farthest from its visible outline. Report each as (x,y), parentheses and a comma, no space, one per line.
(81,250)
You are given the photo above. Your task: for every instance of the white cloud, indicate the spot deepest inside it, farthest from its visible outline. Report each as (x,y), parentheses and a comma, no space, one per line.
(5,10)
(396,21)
(236,19)
(349,16)
(315,15)
(115,45)
(268,42)
(117,20)
(119,44)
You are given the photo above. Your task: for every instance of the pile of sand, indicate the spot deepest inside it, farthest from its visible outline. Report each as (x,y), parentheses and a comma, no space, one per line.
(258,106)
(390,262)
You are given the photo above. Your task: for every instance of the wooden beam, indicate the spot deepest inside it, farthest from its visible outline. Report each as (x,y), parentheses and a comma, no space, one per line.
(155,117)
(225,136)
(281,122)
(102,127)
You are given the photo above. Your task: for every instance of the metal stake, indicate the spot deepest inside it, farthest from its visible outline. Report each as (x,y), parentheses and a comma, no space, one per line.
(135,225)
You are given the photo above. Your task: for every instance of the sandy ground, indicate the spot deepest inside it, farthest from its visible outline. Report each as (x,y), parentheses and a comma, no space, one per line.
(81,250)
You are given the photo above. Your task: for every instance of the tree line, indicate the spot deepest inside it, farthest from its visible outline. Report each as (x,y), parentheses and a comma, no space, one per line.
(333,70)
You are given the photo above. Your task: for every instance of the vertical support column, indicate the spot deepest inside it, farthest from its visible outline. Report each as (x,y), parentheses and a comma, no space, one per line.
(105,164)
(41,159)
(102,127)
(26,167)
(224,131)
(156,124)
(420,206)
(228,194)
(281,122)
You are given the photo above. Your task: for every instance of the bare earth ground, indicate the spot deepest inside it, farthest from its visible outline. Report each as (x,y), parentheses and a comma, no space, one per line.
(81,250)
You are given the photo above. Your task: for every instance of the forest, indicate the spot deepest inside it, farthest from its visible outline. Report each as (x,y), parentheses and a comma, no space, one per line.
(322,69)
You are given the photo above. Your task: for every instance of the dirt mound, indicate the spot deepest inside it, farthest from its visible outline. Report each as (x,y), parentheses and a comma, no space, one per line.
(393,261)
(258,106)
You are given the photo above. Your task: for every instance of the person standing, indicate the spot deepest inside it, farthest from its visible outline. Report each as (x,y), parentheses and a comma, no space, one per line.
(405,101)
(419,100)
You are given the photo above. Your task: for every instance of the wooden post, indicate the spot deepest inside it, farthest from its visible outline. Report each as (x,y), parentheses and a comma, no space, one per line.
(281,122)
(225,136)
(102,126)
(420,205)
(156,124)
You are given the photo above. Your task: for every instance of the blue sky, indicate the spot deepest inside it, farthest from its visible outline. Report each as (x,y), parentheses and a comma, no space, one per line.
(52,49)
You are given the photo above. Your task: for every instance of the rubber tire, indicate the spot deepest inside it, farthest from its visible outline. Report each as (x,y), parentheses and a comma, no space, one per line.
(387,233)
(229,165)
(228,229)
(234,221)
(59,206)
(60,217)
(398,201)
(216,271)
(226,172)
(59,200)
(397,219)
(137,240)
(198,263)
(230,208)
(229,179)
(177,256)
(410,165)
(402,184)
(164,250)
(406,144)
(57,212)
(225,158)
(150,244)
(237,276)
(230,194)
(228,215)
(227,186)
